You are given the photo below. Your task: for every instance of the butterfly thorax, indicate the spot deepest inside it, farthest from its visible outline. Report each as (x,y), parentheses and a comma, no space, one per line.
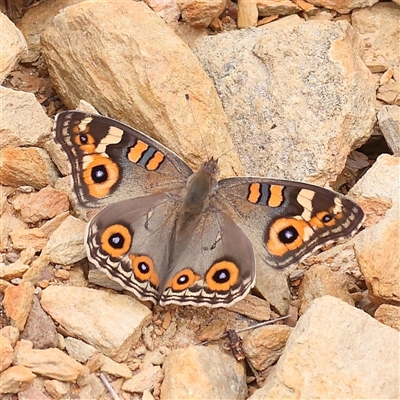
(199,190)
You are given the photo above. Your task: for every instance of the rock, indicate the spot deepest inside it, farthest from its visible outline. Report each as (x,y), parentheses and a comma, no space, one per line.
(273,7)
(11,333)
(39,328)
(388,315)
(45,204)
(17,303)
(247,14)
(167,10)
(24,238)
(382,44)
(325,348)
(198,370)
(379,258)
(24,123)
(264,345)
(273,286)
(6,353)
(109,322)
(378,190)
(94,389)
(51,363)
(343,6)
(36,20)
(79,350)
(116,369)
(200,13)
(320,281)
(146,379)
(389,93)
(14,270)
(37,268)
(26,166)
(56,389)
(299,128)
(252,307)
(8,223)
(13,46)
(15,379)
(153,98)
(66,244)
(51,225)
(340,259)
(33,392)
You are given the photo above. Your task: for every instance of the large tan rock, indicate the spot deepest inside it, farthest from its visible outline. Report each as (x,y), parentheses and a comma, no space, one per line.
(134,68)
(13,46)
(336,351)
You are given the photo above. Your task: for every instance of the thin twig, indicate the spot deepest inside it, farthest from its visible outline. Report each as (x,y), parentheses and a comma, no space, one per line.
(109,387)
(258,325)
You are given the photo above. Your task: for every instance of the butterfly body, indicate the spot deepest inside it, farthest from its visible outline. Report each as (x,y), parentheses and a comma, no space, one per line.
(174,236)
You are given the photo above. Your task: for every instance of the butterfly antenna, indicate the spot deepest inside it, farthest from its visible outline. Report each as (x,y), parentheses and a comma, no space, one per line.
(187,97)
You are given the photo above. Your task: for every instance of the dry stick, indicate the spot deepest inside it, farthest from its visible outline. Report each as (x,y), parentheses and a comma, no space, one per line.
(109,387)
(258,325)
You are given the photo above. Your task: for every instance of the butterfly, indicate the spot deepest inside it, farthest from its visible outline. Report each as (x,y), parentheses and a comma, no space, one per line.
(174,236)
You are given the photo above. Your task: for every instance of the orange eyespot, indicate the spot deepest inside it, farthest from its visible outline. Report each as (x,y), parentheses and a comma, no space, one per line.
(287,234)
(85,142)
(222,276)
(116,240)
(183,280)
(101,174)
(143,269)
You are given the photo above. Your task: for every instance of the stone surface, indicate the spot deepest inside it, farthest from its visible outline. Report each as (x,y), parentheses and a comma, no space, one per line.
(56,389)
(382,44)
(79,350)
(146,379)
(320,281)
(167,10)
(273,7)
(111,323)
(26,166)
(252,307)
(247,13)
(6,352)
(336,351)
(263,346)
(24,123)
(200,13)
(299,128)
(378,190)
(8,223)
(153,98)
(116,369)
(36,20)
(65,246)
(389,124)
(39,328)
(24,238)
(13,46)
(388,315)
(17,303)
(51,363)
(379,258)
(45,204)
(15,379)
(389,93)
(198,371)
(343,6)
